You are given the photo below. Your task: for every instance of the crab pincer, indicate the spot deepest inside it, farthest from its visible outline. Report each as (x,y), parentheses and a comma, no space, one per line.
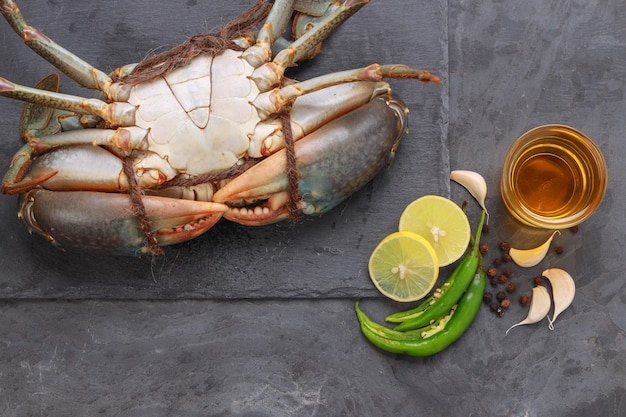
(333,162)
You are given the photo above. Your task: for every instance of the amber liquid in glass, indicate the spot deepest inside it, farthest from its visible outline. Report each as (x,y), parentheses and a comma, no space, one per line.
(546,184)
(553,177)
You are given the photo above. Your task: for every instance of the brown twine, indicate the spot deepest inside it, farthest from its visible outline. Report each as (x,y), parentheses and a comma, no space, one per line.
(207,178)
(139,209)
(164,63)
(292,169)
(293,174)
(210,43)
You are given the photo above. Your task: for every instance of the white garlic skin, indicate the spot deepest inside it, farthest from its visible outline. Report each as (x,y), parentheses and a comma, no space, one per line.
(474,183)
(563,291)
(531,257)
(539,307)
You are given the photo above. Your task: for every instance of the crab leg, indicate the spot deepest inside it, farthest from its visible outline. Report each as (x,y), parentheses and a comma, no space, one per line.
(116,113)
(70,64)
(272,29)
(334,161)
(105,221)
(269,75)
(301,47)
(313,110)
(271,102)
(39,120)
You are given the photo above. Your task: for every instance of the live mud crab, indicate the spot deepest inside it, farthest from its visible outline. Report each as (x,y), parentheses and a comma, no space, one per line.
(210,129)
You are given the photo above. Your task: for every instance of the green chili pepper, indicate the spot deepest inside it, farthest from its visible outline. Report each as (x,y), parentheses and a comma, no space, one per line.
(386,332)
(447,295)
(458,322)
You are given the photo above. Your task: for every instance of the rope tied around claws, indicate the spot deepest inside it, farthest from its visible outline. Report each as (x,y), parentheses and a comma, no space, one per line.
(293,174)
(139,209)
(162,64)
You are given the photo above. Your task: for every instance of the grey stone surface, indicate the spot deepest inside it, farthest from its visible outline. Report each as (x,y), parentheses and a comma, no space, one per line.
(232,261)
(260,321)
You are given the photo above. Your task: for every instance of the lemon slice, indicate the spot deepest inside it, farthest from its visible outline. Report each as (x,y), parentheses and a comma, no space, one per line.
(404,266)
(441,222)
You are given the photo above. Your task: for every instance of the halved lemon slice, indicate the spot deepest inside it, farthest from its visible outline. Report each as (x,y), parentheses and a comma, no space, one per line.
(404,267)
(441,222)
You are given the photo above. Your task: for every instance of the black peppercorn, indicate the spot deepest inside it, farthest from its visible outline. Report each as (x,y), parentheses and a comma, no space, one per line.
(483,248)
(559,250)
(538,280)
(524,299)
(487,297)
(491,272)
(505,303)
(507,271)
(497,262)
(511,287)
(505,246)
(501,295)
(506,257)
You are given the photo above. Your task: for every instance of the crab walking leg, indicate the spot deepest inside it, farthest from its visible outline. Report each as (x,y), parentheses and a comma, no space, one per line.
(269,75)
(123,138)
(42,121)
(334,162)
(271,30)
(116,113)
(311,111)
(273,101)
(70,64)
(307,16)
(105,221)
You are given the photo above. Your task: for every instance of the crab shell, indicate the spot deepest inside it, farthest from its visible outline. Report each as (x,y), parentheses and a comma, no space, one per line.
(207,140)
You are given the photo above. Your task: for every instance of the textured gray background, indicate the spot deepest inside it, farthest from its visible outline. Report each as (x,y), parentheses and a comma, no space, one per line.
(259,321)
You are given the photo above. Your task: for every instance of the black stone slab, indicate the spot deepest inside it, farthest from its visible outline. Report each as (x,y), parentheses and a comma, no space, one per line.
(317,257)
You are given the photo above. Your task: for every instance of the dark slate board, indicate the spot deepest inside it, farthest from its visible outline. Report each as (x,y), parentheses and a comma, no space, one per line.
(317,257)
(513,65)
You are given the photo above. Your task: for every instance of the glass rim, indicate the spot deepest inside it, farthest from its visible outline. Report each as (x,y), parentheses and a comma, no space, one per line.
(527,216)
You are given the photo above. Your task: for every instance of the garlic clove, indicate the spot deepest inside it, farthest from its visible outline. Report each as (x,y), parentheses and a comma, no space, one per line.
(539,307)
(563,291)
(474,183)
(531,257)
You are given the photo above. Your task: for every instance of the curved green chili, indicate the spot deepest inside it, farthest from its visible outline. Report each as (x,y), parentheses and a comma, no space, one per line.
(459,321)
(386,332)
(449,293)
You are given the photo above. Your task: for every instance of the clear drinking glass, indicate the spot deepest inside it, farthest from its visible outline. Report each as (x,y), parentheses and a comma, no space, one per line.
(553,177)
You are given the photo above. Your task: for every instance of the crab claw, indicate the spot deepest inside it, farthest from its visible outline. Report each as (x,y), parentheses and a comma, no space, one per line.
(105,221)
(333,161)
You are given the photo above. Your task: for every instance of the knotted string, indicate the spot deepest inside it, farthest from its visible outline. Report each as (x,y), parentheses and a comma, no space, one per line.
(293,174)
(210,43)
(162,64)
